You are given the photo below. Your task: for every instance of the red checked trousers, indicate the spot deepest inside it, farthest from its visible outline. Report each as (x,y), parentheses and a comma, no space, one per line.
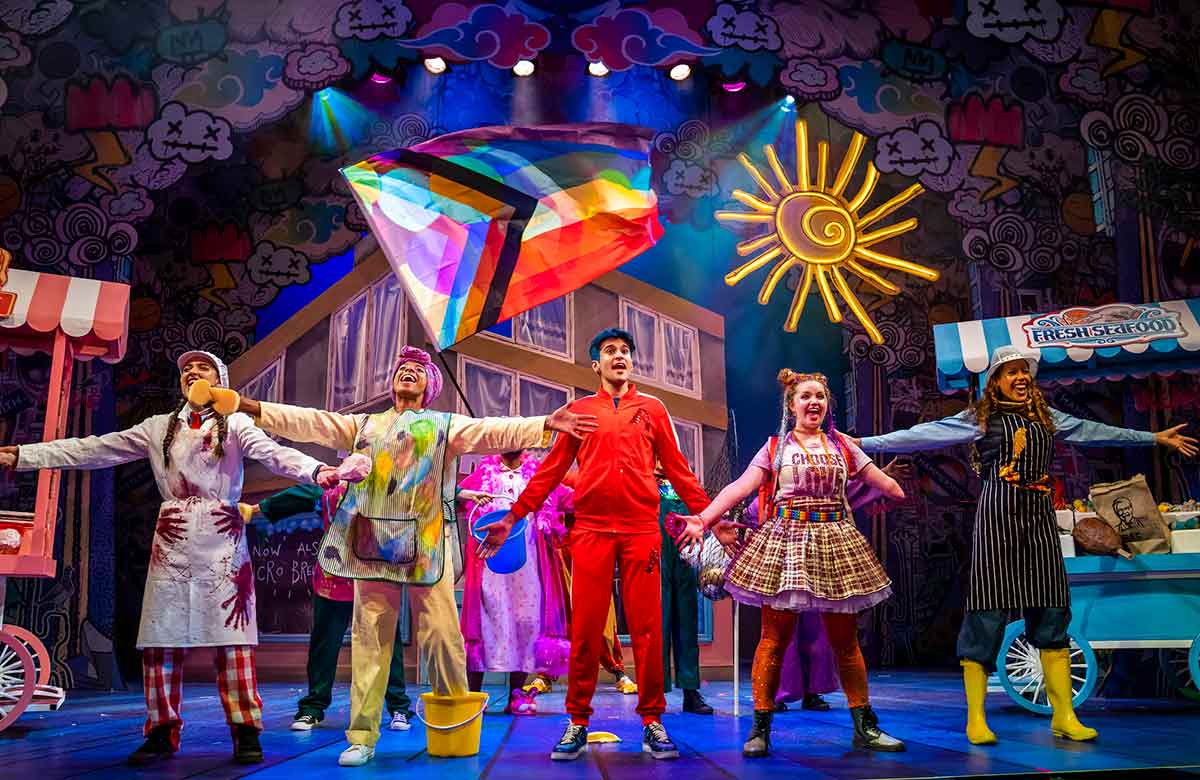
(637,558)
(162,679)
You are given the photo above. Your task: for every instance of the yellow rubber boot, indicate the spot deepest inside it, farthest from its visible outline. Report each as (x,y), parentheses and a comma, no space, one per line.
(1056,666)
(975,681)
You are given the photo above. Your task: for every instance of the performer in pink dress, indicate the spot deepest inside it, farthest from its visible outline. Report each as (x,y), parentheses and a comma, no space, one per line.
(515,623)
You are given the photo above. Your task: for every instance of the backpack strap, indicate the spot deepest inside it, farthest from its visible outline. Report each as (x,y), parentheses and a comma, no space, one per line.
(766,491)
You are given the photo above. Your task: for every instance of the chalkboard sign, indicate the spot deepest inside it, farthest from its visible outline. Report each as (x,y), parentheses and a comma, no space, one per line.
(284,554)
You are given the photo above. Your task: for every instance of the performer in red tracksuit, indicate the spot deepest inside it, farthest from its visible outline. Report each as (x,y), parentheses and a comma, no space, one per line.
(616,521)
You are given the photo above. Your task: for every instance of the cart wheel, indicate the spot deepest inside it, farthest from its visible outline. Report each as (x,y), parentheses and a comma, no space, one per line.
(1019,666)
(18,678)
(1194,661)
(41,658)
(1174,662)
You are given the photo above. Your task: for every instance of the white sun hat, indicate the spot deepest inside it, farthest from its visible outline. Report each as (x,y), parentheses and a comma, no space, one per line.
(1008,354)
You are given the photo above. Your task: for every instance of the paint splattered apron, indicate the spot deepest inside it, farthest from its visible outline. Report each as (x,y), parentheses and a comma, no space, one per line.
(200,584)
(391,525)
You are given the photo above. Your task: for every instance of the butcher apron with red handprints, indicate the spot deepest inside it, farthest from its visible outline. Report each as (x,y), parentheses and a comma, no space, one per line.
(200,585)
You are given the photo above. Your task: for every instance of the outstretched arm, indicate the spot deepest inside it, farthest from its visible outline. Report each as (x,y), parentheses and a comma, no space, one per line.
(1090,433)
(675,466)
(91,452)
(281,460)
(960,428)
(732,493)
(299,423)
(545,479)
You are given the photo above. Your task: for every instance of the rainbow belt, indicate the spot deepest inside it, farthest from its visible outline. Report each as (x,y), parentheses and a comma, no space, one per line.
(798,514)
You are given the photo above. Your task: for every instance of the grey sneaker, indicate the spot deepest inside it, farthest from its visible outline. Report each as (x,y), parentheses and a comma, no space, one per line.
(656,742)
(400,722)
(572,745)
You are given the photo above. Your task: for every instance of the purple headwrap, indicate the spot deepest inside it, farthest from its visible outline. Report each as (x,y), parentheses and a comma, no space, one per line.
(433,374)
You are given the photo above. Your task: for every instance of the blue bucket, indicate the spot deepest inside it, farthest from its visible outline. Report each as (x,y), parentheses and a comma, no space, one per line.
(511,555)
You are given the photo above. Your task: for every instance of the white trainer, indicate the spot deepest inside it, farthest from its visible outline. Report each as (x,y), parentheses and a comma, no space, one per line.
(356,755)
(400,722)
(305,723)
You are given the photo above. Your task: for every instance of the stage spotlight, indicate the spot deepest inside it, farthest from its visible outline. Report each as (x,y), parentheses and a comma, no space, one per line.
(381,78)
(524,68)
(681,71)
(598,69)
(435,65)
(788,102)
(733,86)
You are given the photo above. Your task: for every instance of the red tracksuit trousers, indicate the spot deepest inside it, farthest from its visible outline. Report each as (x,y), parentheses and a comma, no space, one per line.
(637,558)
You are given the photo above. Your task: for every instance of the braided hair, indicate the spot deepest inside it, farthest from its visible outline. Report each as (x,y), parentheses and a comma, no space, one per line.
(173,425)
(790,380)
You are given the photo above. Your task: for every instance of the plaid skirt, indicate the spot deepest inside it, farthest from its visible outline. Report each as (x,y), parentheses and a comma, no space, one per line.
(795,563)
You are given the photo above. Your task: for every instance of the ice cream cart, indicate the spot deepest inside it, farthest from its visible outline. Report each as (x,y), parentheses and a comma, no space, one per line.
(1151,601)
(71,319)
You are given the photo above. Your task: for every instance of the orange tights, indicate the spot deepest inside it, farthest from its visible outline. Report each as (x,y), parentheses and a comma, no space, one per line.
(777,629)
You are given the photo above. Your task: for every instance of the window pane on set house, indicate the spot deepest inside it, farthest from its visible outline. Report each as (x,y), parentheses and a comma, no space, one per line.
(349,366)
(545,326)
(488,390)
(679,357)
(642,326)
(689,444)
(387,325)
(535,398)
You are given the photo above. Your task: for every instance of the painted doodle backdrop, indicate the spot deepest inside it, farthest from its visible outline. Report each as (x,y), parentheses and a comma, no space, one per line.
(190,148)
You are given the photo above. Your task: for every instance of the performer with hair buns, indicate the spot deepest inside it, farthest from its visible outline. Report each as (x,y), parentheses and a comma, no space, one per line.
(200,584)
(806,554)
(1016,560)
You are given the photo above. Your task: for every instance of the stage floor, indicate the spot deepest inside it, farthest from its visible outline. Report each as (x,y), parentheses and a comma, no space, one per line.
(90,737)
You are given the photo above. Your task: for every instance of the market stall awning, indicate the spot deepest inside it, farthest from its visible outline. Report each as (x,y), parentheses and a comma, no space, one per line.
(93,314)
(1079,343)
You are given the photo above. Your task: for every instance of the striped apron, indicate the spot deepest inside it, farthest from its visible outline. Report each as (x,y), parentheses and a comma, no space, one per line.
(1016,559)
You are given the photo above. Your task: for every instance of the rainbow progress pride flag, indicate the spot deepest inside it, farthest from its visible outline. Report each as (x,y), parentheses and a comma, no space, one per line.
(481,225)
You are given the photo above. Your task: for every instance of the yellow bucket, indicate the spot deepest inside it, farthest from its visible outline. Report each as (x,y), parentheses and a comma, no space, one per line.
(452,723)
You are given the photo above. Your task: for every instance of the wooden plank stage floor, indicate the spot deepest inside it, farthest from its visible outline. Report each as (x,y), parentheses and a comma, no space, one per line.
(91,735)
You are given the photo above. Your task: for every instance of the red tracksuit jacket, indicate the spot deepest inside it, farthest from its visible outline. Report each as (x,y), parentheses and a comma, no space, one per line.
(616,490)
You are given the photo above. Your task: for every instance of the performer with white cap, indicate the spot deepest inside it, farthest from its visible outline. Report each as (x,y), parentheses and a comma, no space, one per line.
(1016,561)
(200,583)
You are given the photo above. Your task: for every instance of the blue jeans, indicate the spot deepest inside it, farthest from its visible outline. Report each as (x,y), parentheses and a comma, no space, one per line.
(982,632)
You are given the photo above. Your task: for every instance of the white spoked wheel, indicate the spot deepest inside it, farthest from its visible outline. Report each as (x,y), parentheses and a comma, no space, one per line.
(41,658)
(1175,665)
(18,678)
(1019,666)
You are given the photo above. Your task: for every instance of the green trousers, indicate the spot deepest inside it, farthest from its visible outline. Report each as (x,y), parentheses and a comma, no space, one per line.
(681,619)
(330,621)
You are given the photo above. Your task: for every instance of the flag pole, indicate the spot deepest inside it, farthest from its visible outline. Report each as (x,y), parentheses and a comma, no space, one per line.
(454,381)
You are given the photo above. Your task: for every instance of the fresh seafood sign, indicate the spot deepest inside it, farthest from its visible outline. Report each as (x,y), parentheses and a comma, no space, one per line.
(1111,325)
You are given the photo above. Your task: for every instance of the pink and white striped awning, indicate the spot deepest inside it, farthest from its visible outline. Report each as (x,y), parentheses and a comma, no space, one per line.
(94,315)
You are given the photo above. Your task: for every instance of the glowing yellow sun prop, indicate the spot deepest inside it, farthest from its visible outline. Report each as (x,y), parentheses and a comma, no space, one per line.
(815,227)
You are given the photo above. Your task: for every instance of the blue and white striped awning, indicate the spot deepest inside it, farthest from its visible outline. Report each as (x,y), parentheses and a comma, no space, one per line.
(1157,338)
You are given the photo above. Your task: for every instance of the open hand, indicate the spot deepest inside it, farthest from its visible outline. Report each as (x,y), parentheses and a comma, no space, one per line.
(726,533)
(477,496)
(1171,437)
(566,421)
(497,534)
(898,470)
(692,533)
